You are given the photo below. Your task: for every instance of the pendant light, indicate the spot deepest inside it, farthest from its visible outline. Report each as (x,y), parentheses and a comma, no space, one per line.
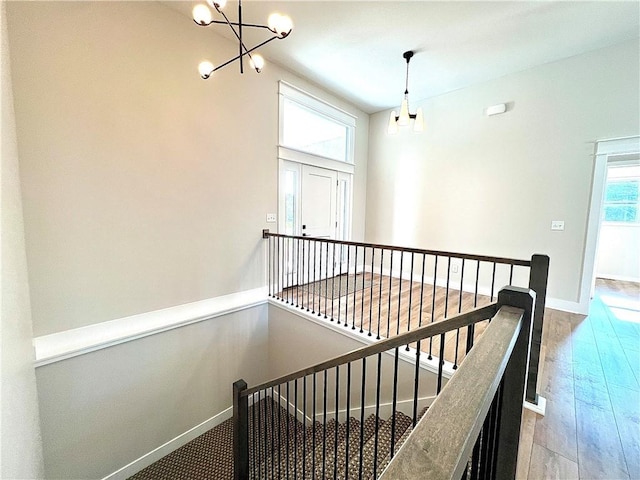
(405,117)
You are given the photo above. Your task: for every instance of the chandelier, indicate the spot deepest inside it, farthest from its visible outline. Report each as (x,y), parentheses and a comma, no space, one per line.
(404,119)
(279,25)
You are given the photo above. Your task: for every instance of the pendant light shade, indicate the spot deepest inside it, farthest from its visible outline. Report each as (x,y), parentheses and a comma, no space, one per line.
(403,119)
(393,124)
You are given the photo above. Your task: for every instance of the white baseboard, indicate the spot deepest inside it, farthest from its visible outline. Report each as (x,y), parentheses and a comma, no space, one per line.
(163,450)
(540,408)
(567,306)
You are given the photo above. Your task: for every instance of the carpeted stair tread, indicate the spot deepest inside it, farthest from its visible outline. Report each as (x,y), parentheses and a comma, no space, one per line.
(385,461)
(368,429)
(330,464)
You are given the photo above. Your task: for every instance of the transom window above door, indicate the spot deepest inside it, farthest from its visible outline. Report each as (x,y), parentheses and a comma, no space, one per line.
(311,126)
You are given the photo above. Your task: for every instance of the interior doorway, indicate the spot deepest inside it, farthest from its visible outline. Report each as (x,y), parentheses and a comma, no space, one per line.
(609,153)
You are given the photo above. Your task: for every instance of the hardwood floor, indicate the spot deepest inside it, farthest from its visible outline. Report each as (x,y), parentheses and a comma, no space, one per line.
(375,308)
(590,378)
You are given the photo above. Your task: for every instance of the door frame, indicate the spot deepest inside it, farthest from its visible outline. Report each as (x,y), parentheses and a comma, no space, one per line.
(603,150)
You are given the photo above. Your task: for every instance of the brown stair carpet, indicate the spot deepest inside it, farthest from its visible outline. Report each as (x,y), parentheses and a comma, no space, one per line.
(286,448)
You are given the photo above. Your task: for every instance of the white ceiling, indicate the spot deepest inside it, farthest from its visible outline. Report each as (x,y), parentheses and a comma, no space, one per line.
(354,48)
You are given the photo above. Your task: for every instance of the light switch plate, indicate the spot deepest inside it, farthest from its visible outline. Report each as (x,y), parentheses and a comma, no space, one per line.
(557,224)
(271,218)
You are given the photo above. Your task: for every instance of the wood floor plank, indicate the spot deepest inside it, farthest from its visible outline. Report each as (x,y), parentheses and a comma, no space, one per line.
(526,443)
(600,453)
(626,409)
(546,464)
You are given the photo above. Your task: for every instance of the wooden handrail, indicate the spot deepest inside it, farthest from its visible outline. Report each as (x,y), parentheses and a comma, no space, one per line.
(431,330)
(481,258)
(441,444)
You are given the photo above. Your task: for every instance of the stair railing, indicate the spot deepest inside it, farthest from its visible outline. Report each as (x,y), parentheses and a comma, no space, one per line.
(382,290)
(297,421)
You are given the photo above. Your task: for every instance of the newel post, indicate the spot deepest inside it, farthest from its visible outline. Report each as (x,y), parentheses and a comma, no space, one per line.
(240,432)
(514,383)
(538,275)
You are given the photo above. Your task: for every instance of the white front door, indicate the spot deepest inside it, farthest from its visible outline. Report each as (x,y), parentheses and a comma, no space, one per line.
(318,202)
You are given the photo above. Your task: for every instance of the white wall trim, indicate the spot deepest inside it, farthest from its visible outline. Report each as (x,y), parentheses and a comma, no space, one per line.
(78,341)
(168,447)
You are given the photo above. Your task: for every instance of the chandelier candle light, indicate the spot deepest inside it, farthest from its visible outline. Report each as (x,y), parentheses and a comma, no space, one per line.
(279,25)
(404,118)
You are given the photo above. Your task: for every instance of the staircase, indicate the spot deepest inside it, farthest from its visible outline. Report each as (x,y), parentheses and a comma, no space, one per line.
(291,448)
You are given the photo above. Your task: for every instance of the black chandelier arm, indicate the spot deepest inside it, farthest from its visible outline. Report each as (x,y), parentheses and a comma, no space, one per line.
(412,116)
(245,53)
(235,24)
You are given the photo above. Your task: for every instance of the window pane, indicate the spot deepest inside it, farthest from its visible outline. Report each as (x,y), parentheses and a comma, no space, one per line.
(622,191)
(291,189)
(621,213)
(312,132)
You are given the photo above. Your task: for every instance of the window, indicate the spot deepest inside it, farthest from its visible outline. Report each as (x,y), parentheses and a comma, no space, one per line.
(621,199)
(311,126)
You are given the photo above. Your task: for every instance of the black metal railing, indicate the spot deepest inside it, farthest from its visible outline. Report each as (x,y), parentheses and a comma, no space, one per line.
(289,427)
(383,290)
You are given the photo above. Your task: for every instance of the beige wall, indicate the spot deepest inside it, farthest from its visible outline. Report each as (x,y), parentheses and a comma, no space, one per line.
(144,186)
(492,185)
(20,444)
(105,409)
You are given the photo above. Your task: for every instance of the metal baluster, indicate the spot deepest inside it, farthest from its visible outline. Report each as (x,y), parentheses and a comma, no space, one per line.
(433,302)
(416,381)
(304,426)
(288,434)
(455,359)
(493,280)
(362,406)
(364,259)
(380,292)
(320,281)
(333,278)
(340,285)
(297,244)
(253,434)
(394,402)
(296,427)
(326,283)
(263,456)
(313,296)
(269,266)
(355,280)
(273,436)
(279,431)
(373,254)
(346,452)
(377,419)
(280,271)
(410,298)
(389,294)
(324,424)
(399,293)
(337,418)
(313,429)
(285,268)
(346,298)
(424,258)
(308,272)
(440,363)
(511,274)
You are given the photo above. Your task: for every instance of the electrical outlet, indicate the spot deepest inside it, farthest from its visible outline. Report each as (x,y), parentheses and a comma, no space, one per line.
(454,268)
(271,218)
(557,224)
